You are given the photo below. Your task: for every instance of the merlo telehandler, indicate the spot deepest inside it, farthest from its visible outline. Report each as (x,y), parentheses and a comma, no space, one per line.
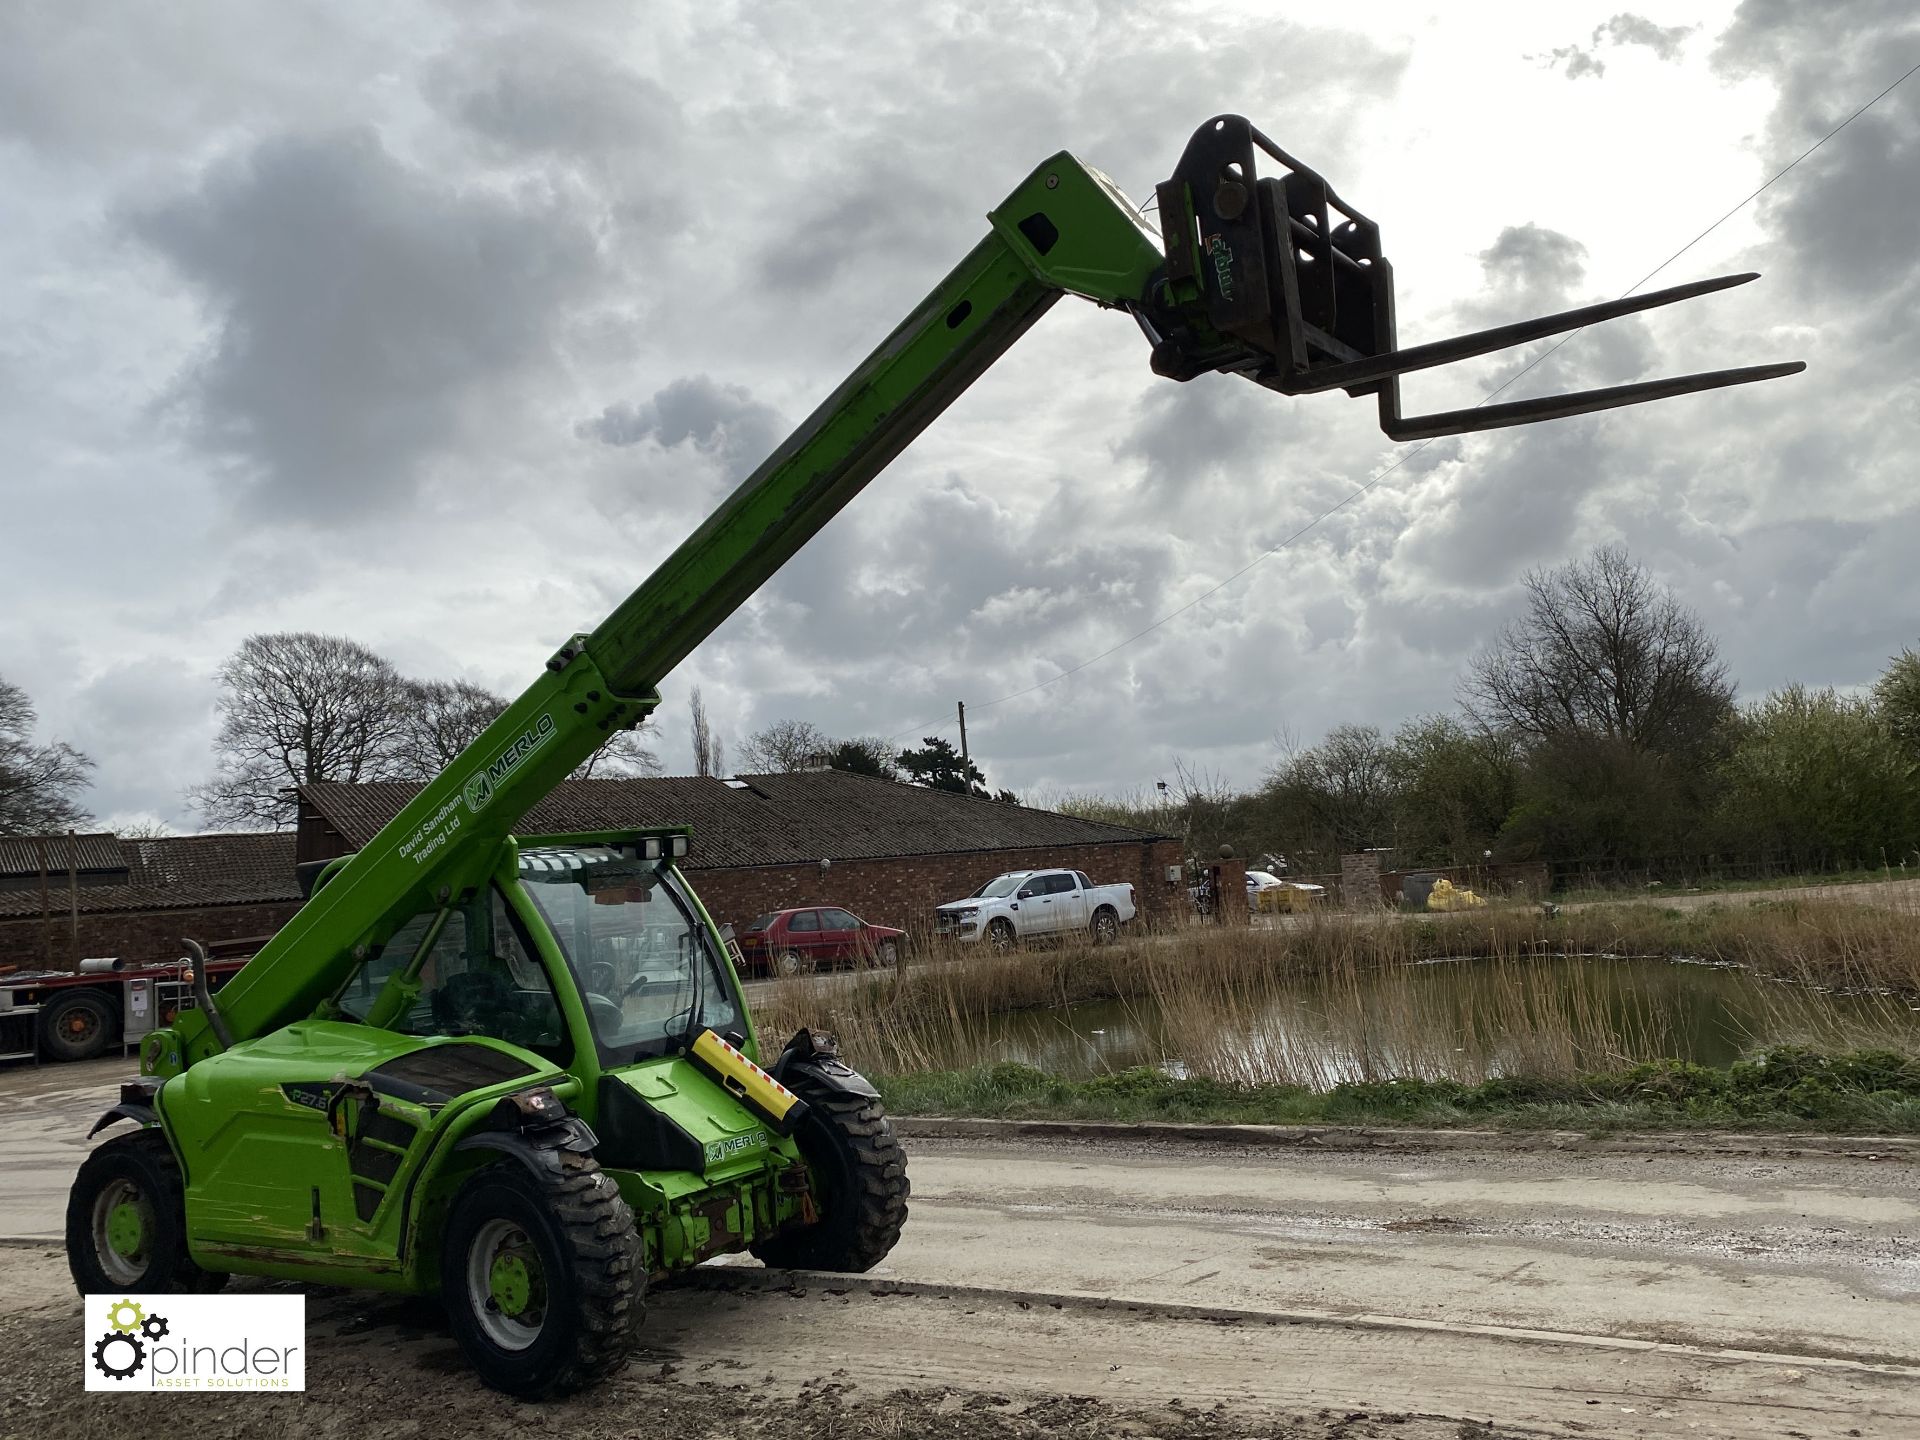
(518,1071)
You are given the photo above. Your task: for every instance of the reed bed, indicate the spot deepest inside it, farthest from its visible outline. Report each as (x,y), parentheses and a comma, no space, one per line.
(1336,998)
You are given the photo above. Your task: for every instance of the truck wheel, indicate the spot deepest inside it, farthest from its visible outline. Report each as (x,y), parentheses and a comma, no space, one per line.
(859,1183)
(1106,926)
(127,1221)
(542,1275)
(78,1026)
(1000,935)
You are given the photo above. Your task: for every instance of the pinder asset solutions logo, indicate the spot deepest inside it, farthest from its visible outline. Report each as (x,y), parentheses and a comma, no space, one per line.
(196,1342)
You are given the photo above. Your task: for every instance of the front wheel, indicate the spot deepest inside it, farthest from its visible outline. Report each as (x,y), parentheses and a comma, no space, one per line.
(860,1184)
(542,1275)
(1001,937)
(127,1221)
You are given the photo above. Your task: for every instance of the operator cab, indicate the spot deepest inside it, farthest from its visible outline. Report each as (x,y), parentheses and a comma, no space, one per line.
(636,943)
(612,920)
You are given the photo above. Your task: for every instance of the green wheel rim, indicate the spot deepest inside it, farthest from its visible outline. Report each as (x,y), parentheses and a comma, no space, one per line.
(507,1285)
(511,1286)
(127,1230)
(122,1227)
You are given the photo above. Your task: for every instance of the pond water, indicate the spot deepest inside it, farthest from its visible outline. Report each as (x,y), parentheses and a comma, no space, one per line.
(1464,1019)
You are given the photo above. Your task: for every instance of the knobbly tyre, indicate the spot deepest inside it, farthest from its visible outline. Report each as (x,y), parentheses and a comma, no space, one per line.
(518,1071)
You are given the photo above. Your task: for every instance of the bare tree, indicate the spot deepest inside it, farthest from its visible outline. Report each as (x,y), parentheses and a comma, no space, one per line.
(706,757)
(145,830)
(296,708)
(782,746)
(624,756)
(444,717)
(39,784)
(441,718)
(1603,650)
(1340,792)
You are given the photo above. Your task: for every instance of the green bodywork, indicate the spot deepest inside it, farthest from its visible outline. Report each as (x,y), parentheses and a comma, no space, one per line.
(275,1185)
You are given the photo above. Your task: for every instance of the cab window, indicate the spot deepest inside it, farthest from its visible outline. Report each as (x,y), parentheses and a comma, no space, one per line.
(465,970)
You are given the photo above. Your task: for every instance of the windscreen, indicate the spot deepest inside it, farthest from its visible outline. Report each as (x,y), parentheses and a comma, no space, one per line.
(1001,886)
(643,961)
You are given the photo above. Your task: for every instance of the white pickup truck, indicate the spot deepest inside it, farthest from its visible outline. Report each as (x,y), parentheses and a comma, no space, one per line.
(1025,904)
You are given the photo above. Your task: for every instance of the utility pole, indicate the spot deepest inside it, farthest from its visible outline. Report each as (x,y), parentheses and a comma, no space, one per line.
(964,760)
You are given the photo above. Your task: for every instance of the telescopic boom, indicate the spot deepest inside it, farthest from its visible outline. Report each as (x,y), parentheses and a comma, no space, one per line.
(1273,278)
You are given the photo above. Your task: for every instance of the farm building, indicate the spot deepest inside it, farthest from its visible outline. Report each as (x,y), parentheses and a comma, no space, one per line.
(891,852)
(66,897)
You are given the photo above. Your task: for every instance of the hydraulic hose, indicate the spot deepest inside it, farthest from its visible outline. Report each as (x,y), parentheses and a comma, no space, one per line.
(204,997)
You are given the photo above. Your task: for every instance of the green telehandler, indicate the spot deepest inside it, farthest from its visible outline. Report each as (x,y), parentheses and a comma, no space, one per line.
(519,1071)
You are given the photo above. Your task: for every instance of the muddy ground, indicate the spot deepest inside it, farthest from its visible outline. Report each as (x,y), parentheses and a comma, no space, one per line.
(1669,1287)
(388,1368)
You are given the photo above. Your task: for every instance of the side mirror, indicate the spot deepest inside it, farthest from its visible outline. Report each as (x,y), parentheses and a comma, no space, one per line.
(1024,895)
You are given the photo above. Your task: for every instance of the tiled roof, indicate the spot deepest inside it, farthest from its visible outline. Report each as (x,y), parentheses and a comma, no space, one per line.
(21,855)
(178,872)
(769,820)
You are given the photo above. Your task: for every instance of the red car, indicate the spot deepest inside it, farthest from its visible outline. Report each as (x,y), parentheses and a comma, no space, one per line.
(797,942)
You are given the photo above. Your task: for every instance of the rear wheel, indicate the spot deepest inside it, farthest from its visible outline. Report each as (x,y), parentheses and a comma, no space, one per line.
(542,1276)
(1106,926)
(127,1221)
(78,1026)
(859,1183)
(793,962)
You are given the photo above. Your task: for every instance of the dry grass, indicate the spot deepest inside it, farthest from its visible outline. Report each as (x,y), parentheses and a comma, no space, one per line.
(1338,997)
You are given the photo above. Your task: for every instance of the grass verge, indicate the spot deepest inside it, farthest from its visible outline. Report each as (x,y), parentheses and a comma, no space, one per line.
(1862,1092)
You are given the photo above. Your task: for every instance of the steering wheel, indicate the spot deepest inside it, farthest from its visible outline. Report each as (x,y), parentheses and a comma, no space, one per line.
(602,977)
(606,1015)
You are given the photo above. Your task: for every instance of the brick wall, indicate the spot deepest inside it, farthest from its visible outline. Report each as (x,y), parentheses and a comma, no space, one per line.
(900,891)
(133,934)
(1360,879)
(904,890)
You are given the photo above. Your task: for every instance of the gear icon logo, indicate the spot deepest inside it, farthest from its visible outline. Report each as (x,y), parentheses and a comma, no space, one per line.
(132,1354)
(121,1351)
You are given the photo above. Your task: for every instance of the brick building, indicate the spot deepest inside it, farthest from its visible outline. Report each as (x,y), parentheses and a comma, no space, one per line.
(892,852)
(64,898)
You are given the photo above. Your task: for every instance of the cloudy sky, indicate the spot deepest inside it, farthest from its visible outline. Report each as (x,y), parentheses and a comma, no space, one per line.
(438,325)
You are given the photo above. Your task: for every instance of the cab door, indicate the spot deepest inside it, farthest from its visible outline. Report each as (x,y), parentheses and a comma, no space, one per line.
(1071,902)
(1042,902)
(839,937)
(804,937)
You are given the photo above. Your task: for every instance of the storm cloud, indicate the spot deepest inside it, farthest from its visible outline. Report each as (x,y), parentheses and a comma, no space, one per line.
(442,325)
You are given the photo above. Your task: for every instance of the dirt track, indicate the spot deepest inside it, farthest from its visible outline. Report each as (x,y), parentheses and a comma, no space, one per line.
(1075,1288)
